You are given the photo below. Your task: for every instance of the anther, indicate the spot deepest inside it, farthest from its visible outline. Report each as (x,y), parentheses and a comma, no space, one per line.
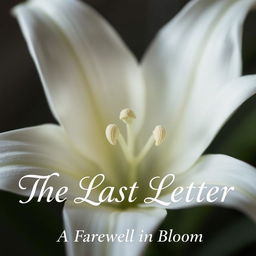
(127,115)
(159,134)
(112,133)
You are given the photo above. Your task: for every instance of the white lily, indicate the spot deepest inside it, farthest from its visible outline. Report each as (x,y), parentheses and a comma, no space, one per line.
(189,81)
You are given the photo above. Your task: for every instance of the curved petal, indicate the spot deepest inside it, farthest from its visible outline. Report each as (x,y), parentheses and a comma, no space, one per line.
(103,220)
(193,57)
(198,130)
(41,150)
(87,72)
(220,171)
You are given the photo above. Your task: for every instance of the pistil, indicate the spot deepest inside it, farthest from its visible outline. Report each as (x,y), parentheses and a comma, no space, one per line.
(128,117)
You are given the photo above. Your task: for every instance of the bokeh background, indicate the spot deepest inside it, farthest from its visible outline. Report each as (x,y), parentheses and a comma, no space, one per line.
(32,229)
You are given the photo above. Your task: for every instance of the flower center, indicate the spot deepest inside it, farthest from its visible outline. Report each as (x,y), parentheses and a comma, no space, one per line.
(127,145)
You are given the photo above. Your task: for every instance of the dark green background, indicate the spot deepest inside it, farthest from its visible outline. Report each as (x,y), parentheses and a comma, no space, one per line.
(33,228)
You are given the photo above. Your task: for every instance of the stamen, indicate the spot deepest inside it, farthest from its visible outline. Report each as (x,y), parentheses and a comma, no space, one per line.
(112,133)
(124,147)
(127,116)
(157,138)
(159,134)
(145,149)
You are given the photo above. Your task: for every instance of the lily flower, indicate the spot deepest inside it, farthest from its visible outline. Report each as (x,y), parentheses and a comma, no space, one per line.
(131,121)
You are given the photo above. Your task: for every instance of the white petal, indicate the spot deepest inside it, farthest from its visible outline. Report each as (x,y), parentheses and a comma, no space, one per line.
(221,170)
(87,72)
(194,56)
(202,40)
(103,220)
(40,150)
(195,135)
(198,130)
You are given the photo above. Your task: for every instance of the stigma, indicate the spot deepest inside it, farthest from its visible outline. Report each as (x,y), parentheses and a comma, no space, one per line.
(127,116)
(114,137)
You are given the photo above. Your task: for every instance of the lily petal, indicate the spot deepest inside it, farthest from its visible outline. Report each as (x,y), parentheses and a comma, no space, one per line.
(199,129)
(195,53)
(195,135)
(220,170)
(192,61)
(40,150)
(104,220)
(83,65)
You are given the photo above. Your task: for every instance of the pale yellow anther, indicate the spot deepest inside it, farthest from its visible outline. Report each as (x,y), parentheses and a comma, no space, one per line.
(159,135)
(127,115)
(112,133)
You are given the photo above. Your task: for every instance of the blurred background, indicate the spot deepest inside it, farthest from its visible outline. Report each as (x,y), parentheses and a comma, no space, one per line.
(32,229)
